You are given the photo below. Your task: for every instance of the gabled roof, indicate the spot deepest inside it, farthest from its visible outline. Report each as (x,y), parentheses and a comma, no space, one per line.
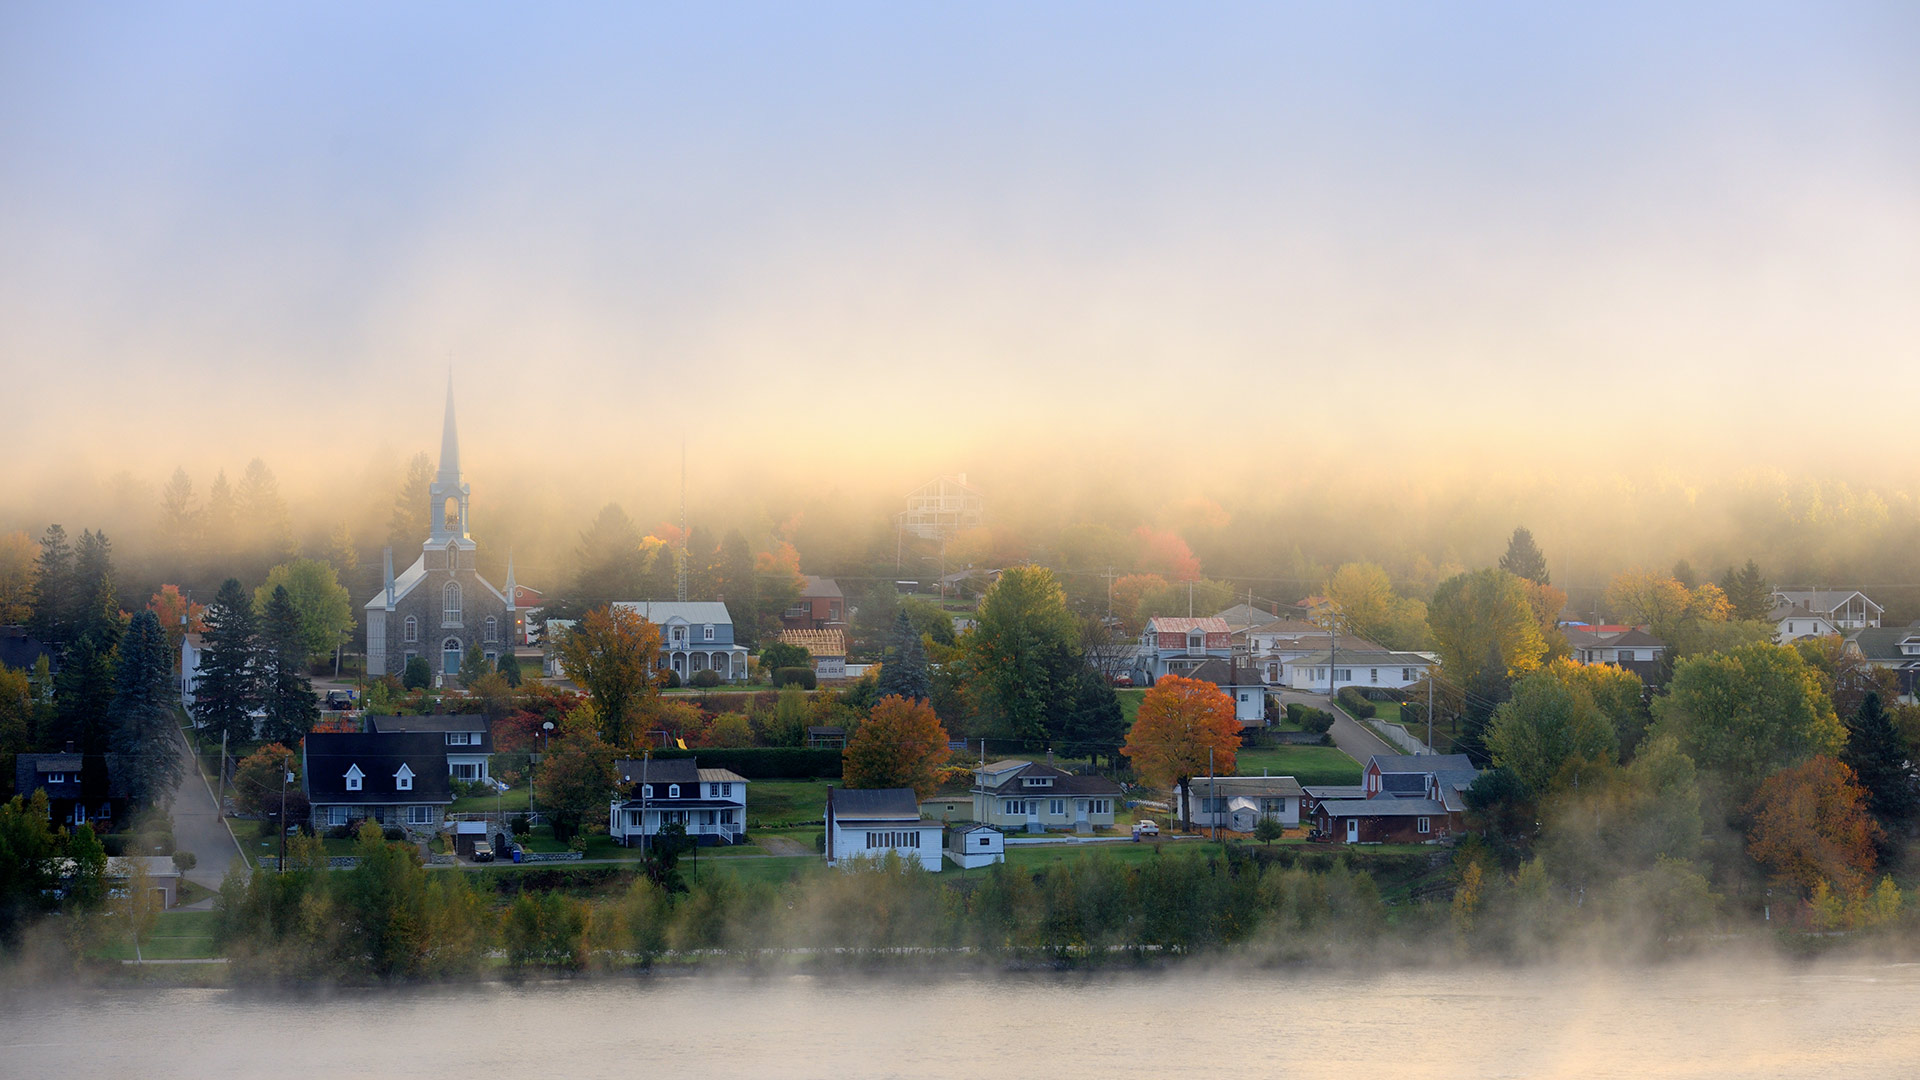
(658,771)
(1267,786)
(1288,628)
(1063,782)
(1883,642)
(329,755)
(818,643)
(1422,763)
(1362,658)
(1636,638)
(1366,808)
(1823,601)
(820,586)
(1244,616)
(873,804)
(1167,624)
(1225,673)
(691,611)
(441,722)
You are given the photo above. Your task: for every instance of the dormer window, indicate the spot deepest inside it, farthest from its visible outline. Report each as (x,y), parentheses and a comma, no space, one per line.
(1196,641)
(673,791)
(403,780)
(354,776)
(709,633)
(646,791)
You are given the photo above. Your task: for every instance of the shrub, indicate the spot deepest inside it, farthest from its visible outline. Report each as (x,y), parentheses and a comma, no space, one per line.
(705,679)
(673,680)
(340,832)
(801,677)
(1308,718)
(418,676)
(520,825)
(393,833)
(1356,703)
(184,861)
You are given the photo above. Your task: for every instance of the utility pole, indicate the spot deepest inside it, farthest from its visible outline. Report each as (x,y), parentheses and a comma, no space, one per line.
(1213,798)
(680,579)
(1430,709)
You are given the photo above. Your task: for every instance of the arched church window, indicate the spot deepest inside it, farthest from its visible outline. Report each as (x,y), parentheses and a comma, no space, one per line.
(412,629)
(450,604)
(493,630)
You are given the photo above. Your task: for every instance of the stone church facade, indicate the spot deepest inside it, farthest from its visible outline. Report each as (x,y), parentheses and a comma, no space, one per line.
(440,606)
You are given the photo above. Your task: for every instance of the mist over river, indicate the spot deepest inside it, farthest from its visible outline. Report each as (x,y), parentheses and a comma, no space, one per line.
(1706,1020)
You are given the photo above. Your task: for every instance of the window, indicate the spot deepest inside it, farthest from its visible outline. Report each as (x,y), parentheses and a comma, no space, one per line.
(1423,825)
(463,738)
(986,841)
(419,815)
(726,817)
(336,815)
(412,630)
(1406,674)
(1057,807)
(673,791)
(1344,674)
(646,791)
(354,776)
(56,778)
(709,633)
(492,630)
(1196,642)
(450,604)
(1103,806)
(403,780)
(466,772)
(1373,674)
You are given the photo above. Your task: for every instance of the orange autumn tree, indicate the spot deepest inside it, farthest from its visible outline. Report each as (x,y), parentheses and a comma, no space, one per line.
(1810,826)
(901,744)
(1180,721)
(178,617)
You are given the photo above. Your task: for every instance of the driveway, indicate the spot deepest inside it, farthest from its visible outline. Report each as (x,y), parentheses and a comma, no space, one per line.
(197,826)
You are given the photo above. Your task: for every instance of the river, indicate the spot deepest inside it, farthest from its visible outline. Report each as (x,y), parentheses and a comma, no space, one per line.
(1828,1020)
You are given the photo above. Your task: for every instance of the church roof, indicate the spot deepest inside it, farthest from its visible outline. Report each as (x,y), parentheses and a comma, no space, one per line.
(407,580)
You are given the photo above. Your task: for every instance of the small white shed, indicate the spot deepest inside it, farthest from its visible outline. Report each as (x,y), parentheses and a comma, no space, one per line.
(969,846)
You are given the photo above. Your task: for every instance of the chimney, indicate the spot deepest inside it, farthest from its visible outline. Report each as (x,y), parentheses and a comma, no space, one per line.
(389,562)
(69,746)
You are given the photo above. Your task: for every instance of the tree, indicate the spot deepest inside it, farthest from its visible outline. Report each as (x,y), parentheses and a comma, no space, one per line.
(1810,826)
(53,587)
(1093,723)
(178,617)
(418,674)
(16,578)
(509,667)
(1268,829)
(1366,606)
(84,688)
(575,778)
(408,526)
(141,717)
(260,778)
(613,655)
(901,744)
(179,517)
(1524,559)
(286,690)
(29,873)
(1880,764)
(1748,713)
(1183,727)
(1546,724)
(904,674)
(612,564)
(782,654)
(1616,692)
(472,666)
(1012,651)
(261,512)
(1646,598)
(1127,595)
(322,607)
(1747,592)
(1501,805)
(16,712)
(1484,614)
(220,515)
(137,906)
(228,688)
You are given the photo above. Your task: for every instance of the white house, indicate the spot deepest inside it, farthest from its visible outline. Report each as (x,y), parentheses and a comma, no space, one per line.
(1239,802)
(1243,687)
(969,846)
(1895,648)
(710,804)
(190,651)
(827,649)
(1837,610)
(1364,668)
(870,824)
(1632,648)
(1269,647)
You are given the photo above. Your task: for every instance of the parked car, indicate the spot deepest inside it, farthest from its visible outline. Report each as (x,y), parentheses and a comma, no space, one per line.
(1123,679)
(1146,827)
(339,700)
(482,851)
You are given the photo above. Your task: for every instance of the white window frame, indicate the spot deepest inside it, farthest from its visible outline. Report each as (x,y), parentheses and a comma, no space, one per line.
(410,630)
(673,791)
(709,632)
(419,815)
(491,630)
(336,815)
(403,779)
(1423,825)
(355,778)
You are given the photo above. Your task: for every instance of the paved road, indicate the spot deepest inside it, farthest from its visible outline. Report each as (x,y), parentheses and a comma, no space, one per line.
(197,826)
(1356,739)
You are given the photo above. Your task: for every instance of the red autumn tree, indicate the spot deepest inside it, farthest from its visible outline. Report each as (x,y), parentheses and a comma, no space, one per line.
(1810,825)
(1180,721)
(901,744)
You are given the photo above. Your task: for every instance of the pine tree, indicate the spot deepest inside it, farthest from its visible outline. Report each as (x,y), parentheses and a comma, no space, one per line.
(53,588)
(96,605)
(408,527)
(140,718)
(510,667)
(1879,759)
(228,688)
(1524,559)
(1094,723)
(904,671)
(472,665)
(262,512)
(84,689)
(220,515)
(1748,593)
(288,692)
(179,517)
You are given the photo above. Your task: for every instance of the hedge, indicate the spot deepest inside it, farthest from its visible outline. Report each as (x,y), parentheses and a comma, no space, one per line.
(802,677)
(1308,718)
(1356,703)
(765,762)
(706,679)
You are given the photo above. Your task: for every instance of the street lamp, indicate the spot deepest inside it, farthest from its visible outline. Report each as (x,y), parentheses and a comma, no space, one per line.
(546,732)
(286,777)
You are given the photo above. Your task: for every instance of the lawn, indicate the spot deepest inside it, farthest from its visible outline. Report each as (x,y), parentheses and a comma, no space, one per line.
(773,871)
(1310,765)
(1035,856)
(177,935)
(778,802)
(507,802)
(1130,703)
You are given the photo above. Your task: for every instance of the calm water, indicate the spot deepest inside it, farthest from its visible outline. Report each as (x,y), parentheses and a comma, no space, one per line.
(1707,1021)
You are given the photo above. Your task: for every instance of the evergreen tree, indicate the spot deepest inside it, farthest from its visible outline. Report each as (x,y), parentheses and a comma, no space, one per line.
(1878,758)
(1094,723)
(1748,594)
(228,688)
(220,514)
(179,517)
(408,527)
(1524,558)
(509,666)
(85,687)
(472,666)
(288,692)
(141,714)
(53,588)
(703,558)
(904,671)
(418,674)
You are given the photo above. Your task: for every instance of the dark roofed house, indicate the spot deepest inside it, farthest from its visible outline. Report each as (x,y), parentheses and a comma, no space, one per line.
(1404,799)
(820,606)
(1896,648)
(710,804)
(1242,686)
(874,823)
(469,739)
(1239,802)
(398,779)
(1028,795)
(81,788)
(20,650)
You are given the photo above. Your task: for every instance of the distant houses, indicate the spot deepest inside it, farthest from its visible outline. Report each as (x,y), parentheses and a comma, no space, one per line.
(1239,803)
(1627,647)
(1175,646)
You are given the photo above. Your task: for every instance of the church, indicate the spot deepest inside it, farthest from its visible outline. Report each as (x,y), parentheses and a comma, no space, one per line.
(440,606)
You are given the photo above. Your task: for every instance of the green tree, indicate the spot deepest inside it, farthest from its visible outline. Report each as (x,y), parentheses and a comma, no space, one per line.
(1880,762)
(1366,606)
(1013,650)
(141,715)
(418,674)
(1480,615)
(613,654)
(1747,714)
(783,654)
(1748,593)
(408,525)
(509,666)
(472,666)
(575,779)
(612,565)
(320,603)
(286,690)
(1093,724)
(28,870)
(228,689)
(16,578)
(1546,724)
(1268,829)
(1524,559)
(904,673)
(53,588)
(87,888)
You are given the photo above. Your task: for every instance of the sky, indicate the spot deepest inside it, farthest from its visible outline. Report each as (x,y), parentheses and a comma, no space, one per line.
(882,241)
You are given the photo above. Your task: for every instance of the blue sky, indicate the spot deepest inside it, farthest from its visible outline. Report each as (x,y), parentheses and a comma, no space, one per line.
(1503,225)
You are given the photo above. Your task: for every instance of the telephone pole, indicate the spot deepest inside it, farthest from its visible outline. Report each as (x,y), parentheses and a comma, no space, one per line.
(680,578)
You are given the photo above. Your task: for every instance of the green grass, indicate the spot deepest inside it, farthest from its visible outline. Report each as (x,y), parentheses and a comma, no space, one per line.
(1130,703)
(777,801)
(177,935)
(507,802)
(1035,856)
(1308,764)
(767,871)
(1387,710)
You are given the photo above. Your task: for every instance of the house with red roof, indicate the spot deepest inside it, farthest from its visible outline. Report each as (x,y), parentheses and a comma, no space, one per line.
(1176,646)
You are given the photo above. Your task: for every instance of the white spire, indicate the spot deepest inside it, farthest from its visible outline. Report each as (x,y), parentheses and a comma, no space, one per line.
(449,442)
(510,586)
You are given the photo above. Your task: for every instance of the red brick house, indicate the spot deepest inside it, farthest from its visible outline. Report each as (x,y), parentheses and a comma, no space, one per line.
(1405,799)
(820,606)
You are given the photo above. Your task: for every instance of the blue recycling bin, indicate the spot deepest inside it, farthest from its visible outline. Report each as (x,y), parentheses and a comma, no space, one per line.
(516,853)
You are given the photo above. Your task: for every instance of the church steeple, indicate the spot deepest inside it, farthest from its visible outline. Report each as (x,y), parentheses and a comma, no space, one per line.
(447,496)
